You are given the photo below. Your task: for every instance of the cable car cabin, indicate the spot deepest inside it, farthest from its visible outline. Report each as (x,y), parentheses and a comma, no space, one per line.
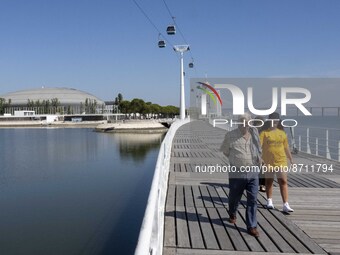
(161,44)
(171,30)
(191,65)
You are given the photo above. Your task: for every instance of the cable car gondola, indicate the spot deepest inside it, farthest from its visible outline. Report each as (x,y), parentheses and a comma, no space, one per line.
(171,30)
(161,41)
(191,64)
(161,44)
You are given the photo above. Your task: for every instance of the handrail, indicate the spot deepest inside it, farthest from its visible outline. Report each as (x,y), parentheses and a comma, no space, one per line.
(329,149)
(150,241)
(322,128)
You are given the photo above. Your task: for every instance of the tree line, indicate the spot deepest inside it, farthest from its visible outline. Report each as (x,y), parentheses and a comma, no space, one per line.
(138,105)
(90,106)
(52,106)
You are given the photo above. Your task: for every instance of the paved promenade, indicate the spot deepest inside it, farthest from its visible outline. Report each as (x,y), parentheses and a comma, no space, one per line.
(196,213)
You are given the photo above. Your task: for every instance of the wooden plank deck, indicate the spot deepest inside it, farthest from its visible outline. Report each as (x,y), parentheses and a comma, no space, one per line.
(196,212)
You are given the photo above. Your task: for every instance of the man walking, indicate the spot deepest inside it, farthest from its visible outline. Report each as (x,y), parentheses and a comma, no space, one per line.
(242,147)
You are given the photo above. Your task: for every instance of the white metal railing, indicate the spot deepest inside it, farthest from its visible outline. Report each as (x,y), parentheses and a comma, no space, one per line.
(323,142)
(150,241)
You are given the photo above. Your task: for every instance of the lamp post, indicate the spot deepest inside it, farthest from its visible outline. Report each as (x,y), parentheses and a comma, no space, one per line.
(181,49)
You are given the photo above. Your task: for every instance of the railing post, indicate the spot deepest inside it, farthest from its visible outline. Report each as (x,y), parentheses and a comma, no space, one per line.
(328,154)
(308,146)
(316,146)
(293,138)
(339,151)
(299,142)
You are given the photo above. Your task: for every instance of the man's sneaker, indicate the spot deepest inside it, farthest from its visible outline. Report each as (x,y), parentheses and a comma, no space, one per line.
(232,219)
(270,204)
(286,208)
(253,232)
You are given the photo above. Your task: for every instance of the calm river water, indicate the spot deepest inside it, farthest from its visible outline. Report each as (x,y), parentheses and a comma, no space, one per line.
(73,191)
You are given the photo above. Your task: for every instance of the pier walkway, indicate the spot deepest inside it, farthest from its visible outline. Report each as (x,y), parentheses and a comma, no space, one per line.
(196,211)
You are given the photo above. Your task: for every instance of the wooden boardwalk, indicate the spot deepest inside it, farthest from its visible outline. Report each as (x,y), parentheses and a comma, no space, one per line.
(196,213)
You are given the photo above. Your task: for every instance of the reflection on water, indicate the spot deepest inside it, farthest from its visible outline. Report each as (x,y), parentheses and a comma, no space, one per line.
(73,191)
(137,146)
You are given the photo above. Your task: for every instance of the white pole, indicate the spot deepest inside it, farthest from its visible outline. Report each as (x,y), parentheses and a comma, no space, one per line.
(339,151)
(308,146)
(181,49)
(204,104)
(316,146)
(299,142)
(293,138)
(328,154)
(219,107)
(182,105)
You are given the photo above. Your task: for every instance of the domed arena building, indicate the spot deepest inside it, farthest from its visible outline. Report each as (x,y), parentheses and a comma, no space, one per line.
(53,101)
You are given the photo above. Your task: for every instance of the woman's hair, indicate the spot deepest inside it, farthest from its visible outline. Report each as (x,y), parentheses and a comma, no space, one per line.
(268,125)
(275,116)
(279,125)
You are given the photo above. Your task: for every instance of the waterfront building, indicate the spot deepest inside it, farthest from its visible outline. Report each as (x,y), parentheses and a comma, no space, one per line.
(53,101)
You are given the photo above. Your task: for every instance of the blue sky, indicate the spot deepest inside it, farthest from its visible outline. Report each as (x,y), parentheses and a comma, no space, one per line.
(105,47)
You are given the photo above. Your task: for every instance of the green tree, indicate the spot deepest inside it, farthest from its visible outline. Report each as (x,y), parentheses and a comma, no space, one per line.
(93,106)
(81,107)
(146,109)
(90,106)
(30,103)
(69,109)
(138,105)
(55,104)
(170,111)
(86,105)
(2,106)
(38,105)
(118,100)
(155,109)
(125,106)
(46,106)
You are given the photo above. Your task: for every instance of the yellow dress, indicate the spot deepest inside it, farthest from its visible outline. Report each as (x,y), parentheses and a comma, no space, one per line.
(273,144)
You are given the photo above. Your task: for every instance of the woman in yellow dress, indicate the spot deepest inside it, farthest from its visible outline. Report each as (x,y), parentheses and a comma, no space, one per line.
(275,151)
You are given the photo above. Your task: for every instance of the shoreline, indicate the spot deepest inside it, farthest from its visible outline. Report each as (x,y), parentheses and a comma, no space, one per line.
(39,124)
(142,126)
(132,126)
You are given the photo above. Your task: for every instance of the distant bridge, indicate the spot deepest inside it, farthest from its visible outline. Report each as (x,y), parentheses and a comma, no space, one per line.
(315,110)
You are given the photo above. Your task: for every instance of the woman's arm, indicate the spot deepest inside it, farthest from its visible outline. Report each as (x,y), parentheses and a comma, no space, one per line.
(289,155)
(287,150)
